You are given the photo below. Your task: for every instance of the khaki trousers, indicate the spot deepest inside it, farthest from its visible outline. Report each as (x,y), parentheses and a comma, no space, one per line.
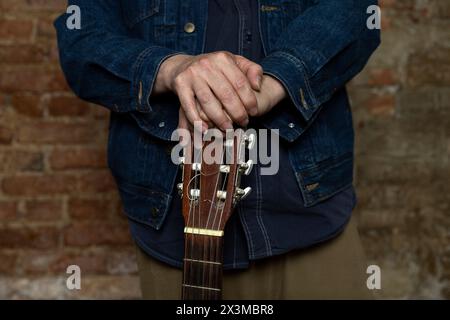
(333,270)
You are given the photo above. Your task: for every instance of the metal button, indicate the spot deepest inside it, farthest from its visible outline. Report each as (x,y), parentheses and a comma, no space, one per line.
(189,27)
(155,212)
(291,125)
(162,124)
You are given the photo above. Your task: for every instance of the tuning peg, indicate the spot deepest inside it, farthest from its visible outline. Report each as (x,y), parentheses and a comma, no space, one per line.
(180,189)
(250,140)
(242,193)
(246,167)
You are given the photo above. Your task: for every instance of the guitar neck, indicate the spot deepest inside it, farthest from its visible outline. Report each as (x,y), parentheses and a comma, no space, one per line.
(202,276)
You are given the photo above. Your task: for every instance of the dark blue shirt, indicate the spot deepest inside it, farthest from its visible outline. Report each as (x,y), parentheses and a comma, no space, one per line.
(273,219)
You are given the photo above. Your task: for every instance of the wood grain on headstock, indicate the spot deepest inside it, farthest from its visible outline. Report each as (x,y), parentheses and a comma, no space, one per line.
(209,194)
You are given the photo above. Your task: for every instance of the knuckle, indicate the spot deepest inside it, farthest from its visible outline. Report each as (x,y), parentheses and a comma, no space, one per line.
(178,81)
(203,96)
(241,83)
(222,55)
(227,95)
(251,102)
(204,62)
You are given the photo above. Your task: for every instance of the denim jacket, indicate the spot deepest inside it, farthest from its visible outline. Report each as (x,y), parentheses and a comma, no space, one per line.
(314,47)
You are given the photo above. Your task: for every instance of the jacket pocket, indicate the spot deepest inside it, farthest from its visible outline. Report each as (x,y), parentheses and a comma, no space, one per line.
(138,10)
(143,205)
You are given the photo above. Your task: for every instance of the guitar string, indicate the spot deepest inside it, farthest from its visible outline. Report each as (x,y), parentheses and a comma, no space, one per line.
(239,148)
(188,238)
(212,227)
(216,246)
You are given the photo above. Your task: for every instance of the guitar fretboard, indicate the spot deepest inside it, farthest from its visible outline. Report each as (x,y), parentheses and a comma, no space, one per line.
(203,260)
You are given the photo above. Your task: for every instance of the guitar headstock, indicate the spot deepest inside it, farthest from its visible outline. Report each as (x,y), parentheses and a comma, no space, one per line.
(211,181)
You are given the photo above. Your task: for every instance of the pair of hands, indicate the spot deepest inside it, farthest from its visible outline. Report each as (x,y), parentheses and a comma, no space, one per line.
(218,89)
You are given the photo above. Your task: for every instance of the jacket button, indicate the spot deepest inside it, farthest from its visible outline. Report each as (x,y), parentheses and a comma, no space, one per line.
(291,125)
(189,27)
(155,212)
(162,124)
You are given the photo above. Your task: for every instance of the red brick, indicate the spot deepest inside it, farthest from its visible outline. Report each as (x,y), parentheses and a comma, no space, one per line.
(45,29)
(16,29)
(6,135)
(56,262)
(24,161)
(67,106)
(25,237)
(90,263)
(429,67)
(28,105)
(100,181)
(43,210)
(381,105)
(25,53)
(8,263)
(33,185)
(80,158)
(56,132)
(32,79)
(8,210)
(88,234)
(382,77)
(90,209)
(32,5)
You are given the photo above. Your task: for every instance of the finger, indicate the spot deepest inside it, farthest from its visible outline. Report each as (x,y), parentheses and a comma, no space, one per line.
(252,70)
(188,104)
(242,85)
(226,95)
(210,105)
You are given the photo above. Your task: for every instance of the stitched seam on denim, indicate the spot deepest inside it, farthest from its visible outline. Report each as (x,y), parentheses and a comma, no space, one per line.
(248,233)
(137,74)
(300,65)
(241,26)
(258,211)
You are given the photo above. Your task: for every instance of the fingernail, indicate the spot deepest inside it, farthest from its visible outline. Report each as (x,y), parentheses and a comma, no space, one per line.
(227,125)
(259,80)
(253,111)
(245,123)
(204,127)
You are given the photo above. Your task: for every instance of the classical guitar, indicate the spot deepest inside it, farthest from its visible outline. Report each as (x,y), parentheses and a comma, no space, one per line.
(209,191)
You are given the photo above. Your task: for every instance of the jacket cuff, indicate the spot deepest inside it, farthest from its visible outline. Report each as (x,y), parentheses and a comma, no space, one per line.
(145,70)
(292,73)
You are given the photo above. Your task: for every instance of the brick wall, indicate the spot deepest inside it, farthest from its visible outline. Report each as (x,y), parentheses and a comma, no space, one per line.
(58,205)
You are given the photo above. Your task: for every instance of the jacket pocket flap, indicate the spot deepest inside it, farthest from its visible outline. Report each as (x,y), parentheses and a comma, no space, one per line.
(143,205)
(136,11)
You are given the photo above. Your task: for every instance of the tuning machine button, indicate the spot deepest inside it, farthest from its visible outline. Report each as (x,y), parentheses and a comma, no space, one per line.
(250,141)
(246,167)
(242,193)
(180,189)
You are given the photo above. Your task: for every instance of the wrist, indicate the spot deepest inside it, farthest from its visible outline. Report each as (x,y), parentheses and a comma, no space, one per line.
(276,90)
(168,70)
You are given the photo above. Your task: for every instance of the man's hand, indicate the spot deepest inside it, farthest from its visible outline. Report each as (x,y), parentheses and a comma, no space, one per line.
(217,87)
(270,94)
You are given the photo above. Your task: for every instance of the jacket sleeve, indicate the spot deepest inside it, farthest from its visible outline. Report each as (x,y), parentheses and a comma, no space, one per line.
(102,63)
(321,50)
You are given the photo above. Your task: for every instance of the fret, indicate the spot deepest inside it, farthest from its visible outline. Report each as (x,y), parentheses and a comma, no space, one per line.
(203,261)
(200,287)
